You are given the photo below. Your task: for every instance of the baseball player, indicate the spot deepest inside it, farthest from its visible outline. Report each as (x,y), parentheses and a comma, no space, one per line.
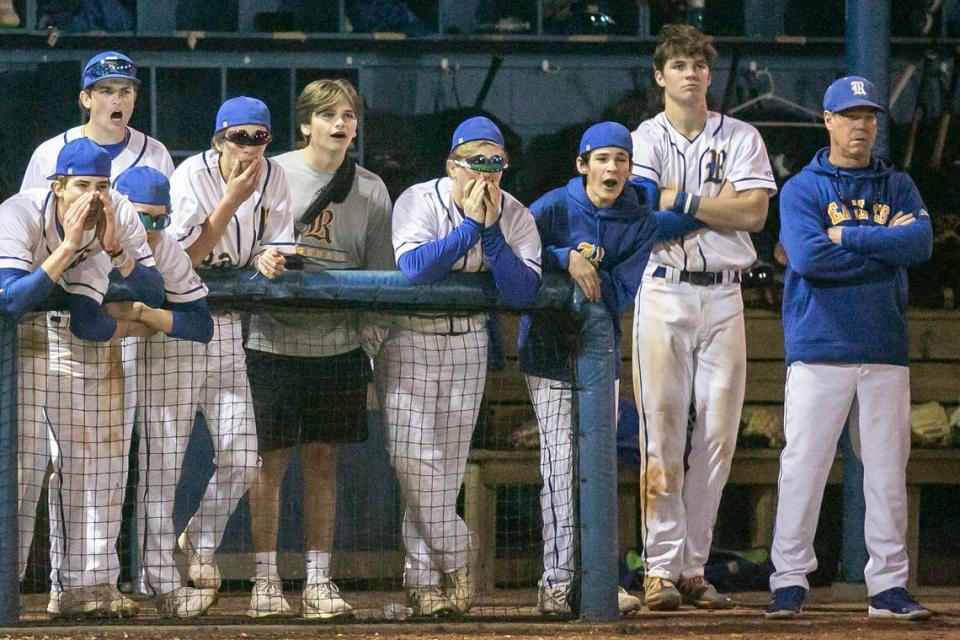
(308,373)
(149,374)
(231,210)
(599,229)
(431,368)
(688,323)
(108,93)
(851,224)
(108,88)
(72,235)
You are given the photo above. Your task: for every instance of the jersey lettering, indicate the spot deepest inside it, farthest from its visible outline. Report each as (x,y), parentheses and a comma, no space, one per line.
(857,88)
(837,213)
(715,165)
(223,261)
(320,228)
(593,253)
(881,213)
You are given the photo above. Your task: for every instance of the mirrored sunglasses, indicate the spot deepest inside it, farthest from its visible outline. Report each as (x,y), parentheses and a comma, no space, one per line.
(154,223)
(112,67)
(242,138)
(483,164)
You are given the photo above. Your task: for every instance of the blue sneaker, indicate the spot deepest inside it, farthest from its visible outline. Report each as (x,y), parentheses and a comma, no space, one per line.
(898,604)
(786,603)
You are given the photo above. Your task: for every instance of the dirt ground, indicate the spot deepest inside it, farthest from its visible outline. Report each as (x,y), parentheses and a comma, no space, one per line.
(513,615)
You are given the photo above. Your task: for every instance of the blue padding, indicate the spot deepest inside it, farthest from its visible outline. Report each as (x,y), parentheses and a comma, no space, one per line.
(461,291)
(598,466)
(9,544)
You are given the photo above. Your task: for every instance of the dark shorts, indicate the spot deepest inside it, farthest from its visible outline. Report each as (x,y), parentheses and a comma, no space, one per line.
(298,400)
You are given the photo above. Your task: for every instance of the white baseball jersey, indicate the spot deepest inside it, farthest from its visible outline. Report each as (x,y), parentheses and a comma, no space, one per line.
(426,211)
(180,282)
(30,231)
(727,150)
(263,220)
(140,150)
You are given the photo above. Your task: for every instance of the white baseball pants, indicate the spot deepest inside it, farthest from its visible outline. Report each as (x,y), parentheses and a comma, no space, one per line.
(89,447)
(33,453)
(552,403)
(688,342)
(818,399)
(431,386)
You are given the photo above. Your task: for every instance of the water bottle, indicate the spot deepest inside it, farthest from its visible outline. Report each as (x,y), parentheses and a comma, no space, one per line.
(695,13)
(397,611)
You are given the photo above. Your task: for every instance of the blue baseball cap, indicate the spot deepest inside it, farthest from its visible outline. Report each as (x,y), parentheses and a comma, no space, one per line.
(606,134)
(476,128)
(242,110)
(144,185)
(849,92)
(106,65)
(82,157)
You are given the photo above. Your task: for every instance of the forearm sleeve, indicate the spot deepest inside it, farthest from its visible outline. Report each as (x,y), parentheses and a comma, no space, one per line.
(432,260)
(192,321)
(23,290)
(516,282)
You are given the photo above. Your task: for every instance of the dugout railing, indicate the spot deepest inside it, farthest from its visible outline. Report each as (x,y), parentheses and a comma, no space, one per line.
(594,417)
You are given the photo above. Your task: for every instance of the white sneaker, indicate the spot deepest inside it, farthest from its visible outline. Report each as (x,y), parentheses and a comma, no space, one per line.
(323,600)
(185,602)
(267,599)
(627,602)
(554,601)
(460,587)
(202,569)
(429,601)
(53,605)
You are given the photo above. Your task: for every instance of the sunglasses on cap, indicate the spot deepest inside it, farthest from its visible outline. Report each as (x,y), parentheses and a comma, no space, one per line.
(154,223)
(242,138)
(483,164)
(111,67)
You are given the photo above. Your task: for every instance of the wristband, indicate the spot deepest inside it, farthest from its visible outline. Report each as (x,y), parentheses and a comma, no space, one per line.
(680,202)
(693,205)
(118,259)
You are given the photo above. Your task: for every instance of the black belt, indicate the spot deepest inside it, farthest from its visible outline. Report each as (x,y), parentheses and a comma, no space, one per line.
(699,278)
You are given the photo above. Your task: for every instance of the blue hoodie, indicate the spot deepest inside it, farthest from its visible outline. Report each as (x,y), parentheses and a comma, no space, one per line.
(847,304)
(618,238)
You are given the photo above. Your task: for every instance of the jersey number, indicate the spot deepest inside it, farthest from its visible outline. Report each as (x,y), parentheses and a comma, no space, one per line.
(221,261)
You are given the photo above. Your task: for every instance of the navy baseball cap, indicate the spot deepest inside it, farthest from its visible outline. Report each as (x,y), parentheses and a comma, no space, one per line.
(849,92)
(476,128)
(82,157)
(144,185)
(242,110)
(606,134)
(106,65)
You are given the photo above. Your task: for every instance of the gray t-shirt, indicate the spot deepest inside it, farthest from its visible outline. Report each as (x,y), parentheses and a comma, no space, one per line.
(354,234)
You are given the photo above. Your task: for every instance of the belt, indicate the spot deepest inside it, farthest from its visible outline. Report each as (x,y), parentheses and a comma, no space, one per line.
(699,278)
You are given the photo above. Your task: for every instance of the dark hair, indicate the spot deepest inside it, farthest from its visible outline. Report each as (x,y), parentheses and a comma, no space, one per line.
(682,40)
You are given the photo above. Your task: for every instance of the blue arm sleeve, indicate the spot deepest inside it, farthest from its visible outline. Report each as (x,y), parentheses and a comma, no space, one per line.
(903,246)
(810,252)
(23,290)
(432,260)
(192,321)
(88,321)
(651,187)
(516,282)
(671,224)
(628,275)
(148,283)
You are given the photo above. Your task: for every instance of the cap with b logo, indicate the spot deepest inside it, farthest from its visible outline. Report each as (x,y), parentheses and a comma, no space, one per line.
(849,92)
(82,157)
(144,185)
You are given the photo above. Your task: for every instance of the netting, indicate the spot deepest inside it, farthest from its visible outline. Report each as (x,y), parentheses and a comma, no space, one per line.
(322,459)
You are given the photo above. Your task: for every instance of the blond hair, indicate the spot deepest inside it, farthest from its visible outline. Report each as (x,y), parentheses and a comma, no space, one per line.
(470,149)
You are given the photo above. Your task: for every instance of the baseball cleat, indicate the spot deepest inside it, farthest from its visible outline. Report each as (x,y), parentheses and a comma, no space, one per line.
(701,594)
(626,602)
(660,594)
(184,602)
(786,603)
(430,602)
(100,601)
(267,599)
(202,569)
(897,604)
(460,588)
(323,600)
(554,601)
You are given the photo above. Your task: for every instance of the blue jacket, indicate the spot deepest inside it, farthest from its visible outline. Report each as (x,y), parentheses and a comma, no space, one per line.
(847,303)
(617,239)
